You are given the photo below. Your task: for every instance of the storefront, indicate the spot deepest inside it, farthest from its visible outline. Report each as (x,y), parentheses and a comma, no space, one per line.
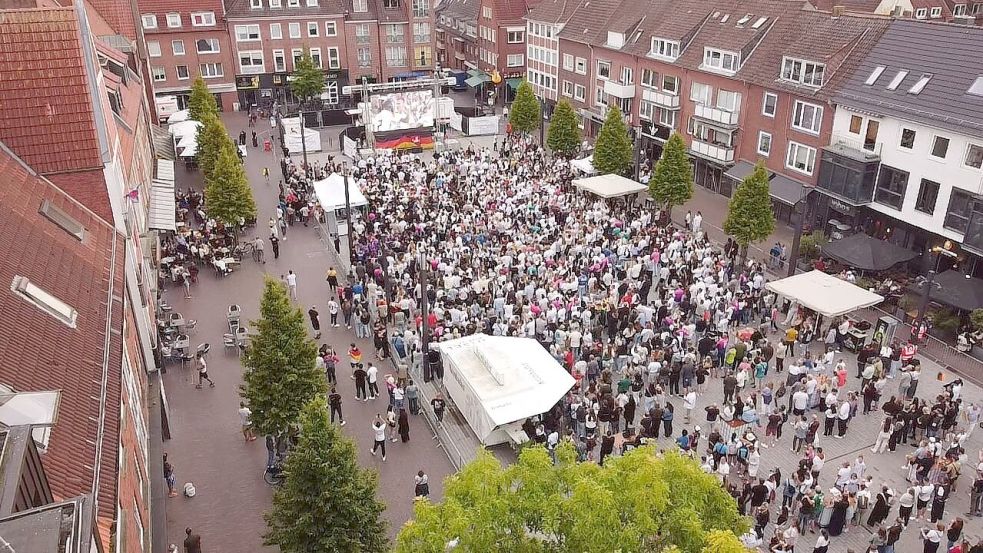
(654,137)
(334,81)
(710,175)
(785,192)
(254,90)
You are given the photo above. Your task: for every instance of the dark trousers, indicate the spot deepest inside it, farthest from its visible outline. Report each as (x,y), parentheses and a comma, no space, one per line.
(337,409)
(841,427)
(373,389)
(360,390)
(378,444)
(828,426)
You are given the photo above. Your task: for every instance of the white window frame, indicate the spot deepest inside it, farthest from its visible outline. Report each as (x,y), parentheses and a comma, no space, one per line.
(256,4)
(796,70)
(210,41)
(650,79)
(515,60)
(315,54)
(201,19)
(936,12)
(173,20)
(519,38)
(706,98)
(334,57)
(331,28)
(153,49)
(580,66)
(668,117)
(313,29)
(664,49)
(567,62)
(722,61)
(293,29)
(579,92)
(734,98)
(253,56)
(360,6)
(244,33)
(764,104)
(293,3)
(674,91)
(567,89)
(295,55)
(282,66)
(921,13)
(278,33)
(215,65)
(799,110)
(176,49)
(177,72)
(276,4)
(969,148)
(311,3)
(158,73)
(149,20)
(597,69)
(810,157)
(761,136)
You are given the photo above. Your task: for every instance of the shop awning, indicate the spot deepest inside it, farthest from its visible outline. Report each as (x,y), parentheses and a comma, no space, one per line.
(163,145)
(867,253)
(610,186)
(954,289)
(784,189)
(161,212)
(477,80)
(476,73)
(825,294)
(513,83)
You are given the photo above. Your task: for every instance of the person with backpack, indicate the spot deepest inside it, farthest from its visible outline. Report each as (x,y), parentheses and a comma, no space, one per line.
(334,401)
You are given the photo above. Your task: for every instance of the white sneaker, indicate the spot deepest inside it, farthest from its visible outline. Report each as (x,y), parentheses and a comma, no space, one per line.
(372,451)
(343,423)
(383,457)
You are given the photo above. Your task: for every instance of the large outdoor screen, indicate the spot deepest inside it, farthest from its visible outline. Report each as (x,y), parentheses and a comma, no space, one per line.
(402,110)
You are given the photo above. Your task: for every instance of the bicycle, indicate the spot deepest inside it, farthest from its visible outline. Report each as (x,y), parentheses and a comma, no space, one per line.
(274,474)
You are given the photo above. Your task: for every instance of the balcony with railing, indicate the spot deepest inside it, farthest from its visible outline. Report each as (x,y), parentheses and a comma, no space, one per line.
(720,116)
(619,90)
(716,152)
(856,148)
(660,99)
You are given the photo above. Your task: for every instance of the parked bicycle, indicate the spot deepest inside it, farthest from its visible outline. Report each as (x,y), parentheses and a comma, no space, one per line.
(274,474)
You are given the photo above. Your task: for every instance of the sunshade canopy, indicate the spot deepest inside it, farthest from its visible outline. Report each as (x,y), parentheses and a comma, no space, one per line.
(331,193)
(184,128)
(867,253)
(179,116)
(825,294)
(477,80)
(584,165)
(955,289)
(609,186)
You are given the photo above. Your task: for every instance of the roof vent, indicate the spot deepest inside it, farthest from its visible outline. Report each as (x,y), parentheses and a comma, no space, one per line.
(976,89)
(759,22)
(62,219)
(920,85)
(896,81)
(874,75)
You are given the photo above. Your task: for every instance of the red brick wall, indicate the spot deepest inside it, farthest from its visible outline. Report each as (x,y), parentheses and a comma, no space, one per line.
(226,55)
(351,52)
(133,486)
(267,44)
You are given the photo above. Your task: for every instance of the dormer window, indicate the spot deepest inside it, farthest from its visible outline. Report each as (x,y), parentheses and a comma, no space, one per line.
(666,49)
(936,13)
(616,39)
(921,13)
(721,60)
(804,72)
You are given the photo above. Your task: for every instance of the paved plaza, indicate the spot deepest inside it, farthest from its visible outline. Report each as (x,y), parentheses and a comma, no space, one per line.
(207,447)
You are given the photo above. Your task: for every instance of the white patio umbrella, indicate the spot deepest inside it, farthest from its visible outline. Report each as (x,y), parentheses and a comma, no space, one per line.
(178,117)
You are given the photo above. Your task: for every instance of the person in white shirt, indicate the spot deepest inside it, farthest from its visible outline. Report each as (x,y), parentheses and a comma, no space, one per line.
(843,415)
(372,377)
(292,284)
(245,422)
(379,435)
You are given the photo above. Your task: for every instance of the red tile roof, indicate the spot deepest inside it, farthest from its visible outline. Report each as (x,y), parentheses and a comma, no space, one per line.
(39,352)
(117,14)
(46,115)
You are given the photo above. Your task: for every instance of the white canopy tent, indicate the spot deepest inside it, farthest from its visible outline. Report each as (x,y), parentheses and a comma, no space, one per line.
(496,381)
(184,128)
(585,165)
(179,116)
(610,186)
(331,193)
(825,294)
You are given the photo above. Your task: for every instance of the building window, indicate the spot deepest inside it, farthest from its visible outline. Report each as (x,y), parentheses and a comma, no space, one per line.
(158,73)
(276,4)
(316,57)
(891,186)
(646,111)
(974,156)
(293,3)
(581,66)
(313,29)
(396,56)
(701,93)
(667,118)
(294,29)
(422,56)
(764,143)
(907,139)
(567,88)
(627,75)
(516,37)
(360,6)
(44,300)
(803,72)
(670,85)
(936,12)
(362,33)
(149,21)
(330,28)
(856,124)
(330,94)
(668,49)
(182,72)
(801,158)
(729,101)
(599,97)
(177,47)
(486,12)
(296,54)
(721,60)
(245,33)
(579,92)
(421,8)
(251,62)
(173,21)
(311,3)
(959,10)
(769,105)
(276,33)
(928,194)
(390,4)
(364,55)
(603,69)
(207,46)
(921,13)
(650,78)
(515,60)
(153,48)
(395,34)
(334,57)
(961,208)
(256,4)
(421,32)
(940,147)
(202,19)
(807,117)
(279,61)
(567,62)
(211,70)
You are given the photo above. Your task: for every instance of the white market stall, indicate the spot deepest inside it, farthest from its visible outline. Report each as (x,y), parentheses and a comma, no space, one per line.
(292,140)
(330,194)
(584,165)
(610,186)
(825,294)
(497,382)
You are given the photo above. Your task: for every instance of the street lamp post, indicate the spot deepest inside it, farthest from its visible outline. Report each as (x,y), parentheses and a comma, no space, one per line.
(348,214)
(303,139)
(928,284)
(425,323)
(542,121)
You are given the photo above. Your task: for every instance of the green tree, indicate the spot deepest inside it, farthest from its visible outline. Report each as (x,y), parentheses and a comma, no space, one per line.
(201,102)
(212,137)
(671,183)
(749,215)
(228,197)
(308,79)
(327,504)
(564,135)
(280,376)
(613,150)
(524,113)
(638,502)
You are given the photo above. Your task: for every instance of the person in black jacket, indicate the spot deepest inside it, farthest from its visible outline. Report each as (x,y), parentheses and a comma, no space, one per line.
(607,446)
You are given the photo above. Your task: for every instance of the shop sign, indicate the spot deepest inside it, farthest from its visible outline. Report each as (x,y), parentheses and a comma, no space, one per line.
(247,82)
(841,207)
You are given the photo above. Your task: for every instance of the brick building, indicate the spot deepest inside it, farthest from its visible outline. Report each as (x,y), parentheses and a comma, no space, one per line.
(184,40)
(457,34)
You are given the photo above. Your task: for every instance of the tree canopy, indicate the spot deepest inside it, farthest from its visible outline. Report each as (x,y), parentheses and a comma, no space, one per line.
(525,114)
(280,376)
(671,183)
(613,151)
(564,135)
(327,503)
(749,215)
(638,502)
(228,196)
(212,138)
(308,79)
(201,102)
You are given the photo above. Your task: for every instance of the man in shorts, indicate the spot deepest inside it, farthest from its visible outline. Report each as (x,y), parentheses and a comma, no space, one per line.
(244,420)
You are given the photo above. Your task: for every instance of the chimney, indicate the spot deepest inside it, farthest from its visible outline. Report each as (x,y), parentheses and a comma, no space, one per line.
(838,11)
